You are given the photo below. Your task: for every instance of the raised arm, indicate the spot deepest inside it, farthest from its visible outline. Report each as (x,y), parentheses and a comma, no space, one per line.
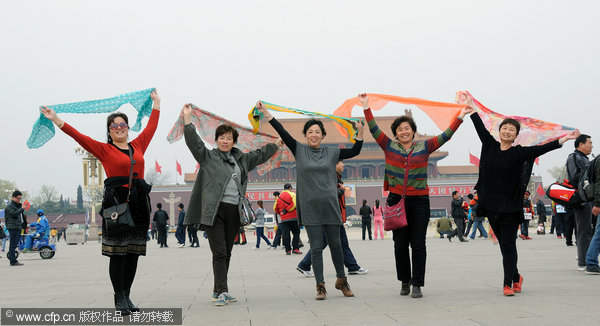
(93,146)
(289,141)
(192,140)
(144,138)
(355,150)
(262,154)
(434,143)
(535,151)
(484,134)
(379,136)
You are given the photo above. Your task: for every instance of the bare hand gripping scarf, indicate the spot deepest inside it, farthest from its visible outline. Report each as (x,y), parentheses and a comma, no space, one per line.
(206,124)
(43,129)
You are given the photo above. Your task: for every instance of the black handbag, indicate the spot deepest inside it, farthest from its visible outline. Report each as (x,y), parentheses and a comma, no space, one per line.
(117,219)
(2,234)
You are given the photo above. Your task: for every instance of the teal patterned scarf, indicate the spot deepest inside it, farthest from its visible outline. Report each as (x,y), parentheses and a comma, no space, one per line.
(43,129)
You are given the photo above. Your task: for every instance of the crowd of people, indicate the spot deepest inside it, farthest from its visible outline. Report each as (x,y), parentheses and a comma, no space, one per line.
(318,204)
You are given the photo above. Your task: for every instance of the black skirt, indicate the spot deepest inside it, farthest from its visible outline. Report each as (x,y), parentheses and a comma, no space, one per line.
(134,241)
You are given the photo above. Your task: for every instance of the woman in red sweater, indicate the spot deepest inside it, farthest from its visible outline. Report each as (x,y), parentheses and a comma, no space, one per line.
(123,248)
(404,156)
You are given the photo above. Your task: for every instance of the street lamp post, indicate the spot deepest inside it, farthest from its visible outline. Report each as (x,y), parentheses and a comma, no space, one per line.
(92,178)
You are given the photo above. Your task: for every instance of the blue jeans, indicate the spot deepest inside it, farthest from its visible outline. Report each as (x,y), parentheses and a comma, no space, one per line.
(180,234)
(349,260)
(525,228)
(591,259)
(260,233)
(478,225)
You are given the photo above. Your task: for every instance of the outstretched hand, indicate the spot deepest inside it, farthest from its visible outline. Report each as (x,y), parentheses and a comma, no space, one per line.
(468,109)
(360,128)
(261,108)
(156,99)
(48,113)
(187,111)
(570,136)
(364,100)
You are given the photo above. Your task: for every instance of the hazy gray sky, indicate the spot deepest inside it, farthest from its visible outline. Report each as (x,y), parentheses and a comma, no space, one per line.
(528,58)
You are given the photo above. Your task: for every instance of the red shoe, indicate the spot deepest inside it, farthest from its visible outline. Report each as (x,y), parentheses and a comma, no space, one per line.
(297,252)
(508,291)
(522,236)
(560,237)
(527,238)
(517,286)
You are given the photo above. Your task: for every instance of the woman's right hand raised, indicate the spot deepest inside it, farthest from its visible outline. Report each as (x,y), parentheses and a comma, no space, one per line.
(187,111)
(48,113)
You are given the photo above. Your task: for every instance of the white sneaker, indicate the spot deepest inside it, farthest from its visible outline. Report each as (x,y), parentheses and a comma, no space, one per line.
(305,273)
(254,248)
(360,271)
(581,268)
(181,245)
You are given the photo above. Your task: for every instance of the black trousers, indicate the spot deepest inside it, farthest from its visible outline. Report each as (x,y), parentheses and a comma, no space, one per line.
(583,230)
(417,216)
(507,239)
(459,231)
(193,236)
(162,235)
(366,225)
(220,238)
(286,228)
(569,226)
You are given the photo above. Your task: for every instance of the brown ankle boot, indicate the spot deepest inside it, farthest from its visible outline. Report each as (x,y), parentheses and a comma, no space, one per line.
(342,285)
(321,292)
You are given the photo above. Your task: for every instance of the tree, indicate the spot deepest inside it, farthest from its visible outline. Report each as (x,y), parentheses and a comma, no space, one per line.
(47,194)
(79,197)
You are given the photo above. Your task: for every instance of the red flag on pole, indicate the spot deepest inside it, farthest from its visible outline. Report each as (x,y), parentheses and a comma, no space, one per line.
(26,204)
(540,190)
(197,167)
(537,160)
(157,167)
(473,159)
(178,166)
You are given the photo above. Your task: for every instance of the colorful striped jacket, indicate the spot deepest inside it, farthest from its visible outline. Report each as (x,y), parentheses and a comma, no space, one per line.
(396,158)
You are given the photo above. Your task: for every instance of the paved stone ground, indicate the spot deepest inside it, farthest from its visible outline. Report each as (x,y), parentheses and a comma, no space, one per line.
(463,285)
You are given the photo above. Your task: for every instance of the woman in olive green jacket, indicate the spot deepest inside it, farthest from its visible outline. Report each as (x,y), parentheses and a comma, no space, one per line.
(215,201)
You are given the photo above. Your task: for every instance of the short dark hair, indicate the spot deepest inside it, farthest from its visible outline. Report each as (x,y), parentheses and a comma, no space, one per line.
(180,205)
(110,119)
(159,205)
(398,121)
(17,193)
(259,203)
(582,139)
(470,196)
(287,186)
(454,193)
(527,192)
(312,122)
(276,193)
(511,121)
(226,129)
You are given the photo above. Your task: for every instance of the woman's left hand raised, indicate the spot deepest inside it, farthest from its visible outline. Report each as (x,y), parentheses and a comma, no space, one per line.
(466,110)
(360,128)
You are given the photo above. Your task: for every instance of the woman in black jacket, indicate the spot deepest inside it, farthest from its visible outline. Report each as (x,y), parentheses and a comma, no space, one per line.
(504,172)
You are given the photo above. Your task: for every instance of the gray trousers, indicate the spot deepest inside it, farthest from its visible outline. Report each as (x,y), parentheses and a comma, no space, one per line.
(315,237)
(584,231)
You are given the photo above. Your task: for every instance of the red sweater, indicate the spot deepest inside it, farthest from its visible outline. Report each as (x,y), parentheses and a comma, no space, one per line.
(115,162)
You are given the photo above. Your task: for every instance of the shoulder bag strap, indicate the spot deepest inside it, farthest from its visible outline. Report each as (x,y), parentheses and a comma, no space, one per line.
(406,173)
(130,170)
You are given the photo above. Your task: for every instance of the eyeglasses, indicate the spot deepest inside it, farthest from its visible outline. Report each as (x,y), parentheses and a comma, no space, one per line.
(119,125)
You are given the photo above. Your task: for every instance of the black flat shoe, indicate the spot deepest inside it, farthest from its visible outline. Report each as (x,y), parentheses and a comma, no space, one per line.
(416,292)
(405,288)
